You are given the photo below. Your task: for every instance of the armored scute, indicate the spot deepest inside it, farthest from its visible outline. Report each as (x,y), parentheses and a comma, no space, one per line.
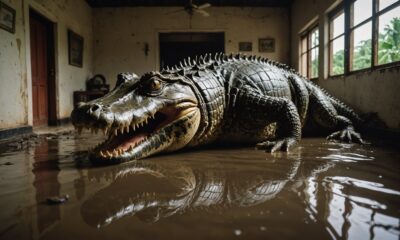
(210,99)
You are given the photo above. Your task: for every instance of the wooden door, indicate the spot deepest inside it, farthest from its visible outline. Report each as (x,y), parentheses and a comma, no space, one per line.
(40,69)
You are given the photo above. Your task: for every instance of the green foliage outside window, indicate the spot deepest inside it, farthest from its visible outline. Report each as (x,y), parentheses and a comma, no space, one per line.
(314,68)
(388,50)
(389,43)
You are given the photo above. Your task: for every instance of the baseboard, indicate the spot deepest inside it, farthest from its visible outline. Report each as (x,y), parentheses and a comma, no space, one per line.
(59,122)
(382,133)
(13,132)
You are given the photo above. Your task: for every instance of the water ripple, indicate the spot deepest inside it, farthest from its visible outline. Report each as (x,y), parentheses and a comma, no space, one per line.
(347,157)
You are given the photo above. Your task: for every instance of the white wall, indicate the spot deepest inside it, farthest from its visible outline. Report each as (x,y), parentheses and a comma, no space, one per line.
(15,69)
(77,16)
(120,33)
(13,74)
(370,91)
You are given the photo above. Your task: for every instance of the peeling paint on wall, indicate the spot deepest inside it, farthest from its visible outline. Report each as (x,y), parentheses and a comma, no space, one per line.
(15,87)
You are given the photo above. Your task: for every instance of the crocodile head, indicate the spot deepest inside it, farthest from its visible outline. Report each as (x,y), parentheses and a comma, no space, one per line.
(141,117)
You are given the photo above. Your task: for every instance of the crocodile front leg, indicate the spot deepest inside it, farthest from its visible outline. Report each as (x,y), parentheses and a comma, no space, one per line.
(273,109)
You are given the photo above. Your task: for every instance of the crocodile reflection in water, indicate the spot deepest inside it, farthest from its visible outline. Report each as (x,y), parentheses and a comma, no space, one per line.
(153,190)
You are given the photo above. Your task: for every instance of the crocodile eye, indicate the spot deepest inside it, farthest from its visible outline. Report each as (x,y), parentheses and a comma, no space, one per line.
(155,85)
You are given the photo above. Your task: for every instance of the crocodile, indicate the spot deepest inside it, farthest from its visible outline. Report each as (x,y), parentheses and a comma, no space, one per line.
(213,98)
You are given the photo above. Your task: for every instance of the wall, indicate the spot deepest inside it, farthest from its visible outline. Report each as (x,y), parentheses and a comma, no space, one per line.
(13,74)
(369,91)
(15,71)
(121,33)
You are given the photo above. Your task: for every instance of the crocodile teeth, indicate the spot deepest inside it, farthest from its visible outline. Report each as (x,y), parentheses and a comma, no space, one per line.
(115,132)
(102,154)
(122,130)
(109,154)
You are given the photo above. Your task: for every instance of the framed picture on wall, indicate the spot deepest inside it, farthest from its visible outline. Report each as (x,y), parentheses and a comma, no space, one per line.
(245,46)
(75,49)
(7,18)
(266,45)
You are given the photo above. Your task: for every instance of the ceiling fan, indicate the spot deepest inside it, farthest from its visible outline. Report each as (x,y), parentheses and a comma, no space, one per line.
(192,8)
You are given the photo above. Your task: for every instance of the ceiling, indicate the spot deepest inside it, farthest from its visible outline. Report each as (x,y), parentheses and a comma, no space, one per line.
(170,3)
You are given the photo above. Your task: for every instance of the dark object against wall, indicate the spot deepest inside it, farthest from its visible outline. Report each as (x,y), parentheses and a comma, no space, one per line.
(75,49)
(175,46)
(7,18)
(245,46)
(266,45)
(97,83)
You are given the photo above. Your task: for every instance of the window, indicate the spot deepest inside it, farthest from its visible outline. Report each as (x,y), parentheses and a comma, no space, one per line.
(388,32)
(309,55)
(336,43)
(363,34)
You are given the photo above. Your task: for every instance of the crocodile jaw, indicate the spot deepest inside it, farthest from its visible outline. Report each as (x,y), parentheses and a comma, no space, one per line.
(168,129)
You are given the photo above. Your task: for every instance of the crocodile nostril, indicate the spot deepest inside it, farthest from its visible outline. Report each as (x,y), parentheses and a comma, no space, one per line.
(95,110)
(95,107)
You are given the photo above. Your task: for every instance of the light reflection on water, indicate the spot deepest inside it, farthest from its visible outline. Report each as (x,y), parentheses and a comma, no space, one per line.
(319,190)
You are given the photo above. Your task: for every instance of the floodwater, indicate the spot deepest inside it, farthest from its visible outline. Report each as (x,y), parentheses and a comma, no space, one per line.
(320,190)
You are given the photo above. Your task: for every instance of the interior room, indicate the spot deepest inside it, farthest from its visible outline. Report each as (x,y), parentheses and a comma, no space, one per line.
(218,119)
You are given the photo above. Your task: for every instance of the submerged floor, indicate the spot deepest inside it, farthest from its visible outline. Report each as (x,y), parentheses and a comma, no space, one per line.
(321,190)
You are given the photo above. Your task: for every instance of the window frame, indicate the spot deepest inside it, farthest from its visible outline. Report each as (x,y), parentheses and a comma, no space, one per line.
(306,34)
(346,8)
(333,15)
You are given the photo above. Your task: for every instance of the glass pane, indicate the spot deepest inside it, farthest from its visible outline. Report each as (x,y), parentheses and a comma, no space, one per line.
(304,44)
(389,37)
(362,9)
(337,64)
(314,63)
(314,38)
(362,46)
(304,65)
(337,25)
(385,3)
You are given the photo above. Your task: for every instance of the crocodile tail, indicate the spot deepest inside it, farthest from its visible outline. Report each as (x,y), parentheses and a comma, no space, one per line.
(346,111)
(341,107)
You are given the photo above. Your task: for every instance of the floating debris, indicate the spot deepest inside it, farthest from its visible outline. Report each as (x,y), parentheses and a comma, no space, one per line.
(58,199)
(6,164)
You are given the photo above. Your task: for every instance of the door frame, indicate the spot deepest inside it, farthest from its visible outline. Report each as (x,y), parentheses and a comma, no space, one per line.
(220,33)
(51,73)
(185,30)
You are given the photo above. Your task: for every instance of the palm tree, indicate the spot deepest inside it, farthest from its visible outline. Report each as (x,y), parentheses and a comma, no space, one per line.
(338,63)
(389,42)
(362,55)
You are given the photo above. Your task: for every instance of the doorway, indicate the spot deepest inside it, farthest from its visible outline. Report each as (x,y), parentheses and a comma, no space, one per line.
(43,71)
(174,47)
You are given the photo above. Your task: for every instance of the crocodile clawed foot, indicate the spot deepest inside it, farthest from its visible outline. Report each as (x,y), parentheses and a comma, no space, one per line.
(278,145)
(347,135)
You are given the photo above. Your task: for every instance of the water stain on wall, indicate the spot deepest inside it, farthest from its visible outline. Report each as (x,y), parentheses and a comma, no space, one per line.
(19,46)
